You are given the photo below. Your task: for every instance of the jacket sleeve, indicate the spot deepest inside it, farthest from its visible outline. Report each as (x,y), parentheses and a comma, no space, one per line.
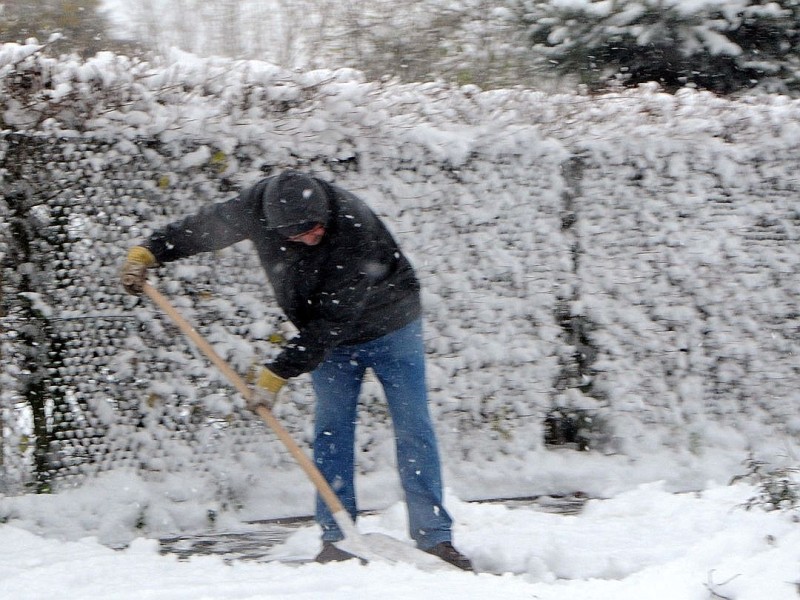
(214,227)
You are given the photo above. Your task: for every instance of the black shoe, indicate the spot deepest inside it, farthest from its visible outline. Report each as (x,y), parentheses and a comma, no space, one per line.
(447,553)
(332,553)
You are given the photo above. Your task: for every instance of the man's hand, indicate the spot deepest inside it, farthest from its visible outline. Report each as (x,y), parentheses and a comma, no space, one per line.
(134,271)
(265,392)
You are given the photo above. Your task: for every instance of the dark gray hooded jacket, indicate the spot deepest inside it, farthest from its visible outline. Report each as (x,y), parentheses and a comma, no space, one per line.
(354,286)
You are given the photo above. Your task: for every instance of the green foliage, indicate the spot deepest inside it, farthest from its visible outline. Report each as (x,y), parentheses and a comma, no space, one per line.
(580,429)
(778,489)
(219,161)
(717,45)
(712,46)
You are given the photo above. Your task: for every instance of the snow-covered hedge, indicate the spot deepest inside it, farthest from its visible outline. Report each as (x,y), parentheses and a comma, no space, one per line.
(628,259)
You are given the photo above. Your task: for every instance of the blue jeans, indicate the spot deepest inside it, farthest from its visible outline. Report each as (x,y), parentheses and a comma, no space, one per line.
(398,361)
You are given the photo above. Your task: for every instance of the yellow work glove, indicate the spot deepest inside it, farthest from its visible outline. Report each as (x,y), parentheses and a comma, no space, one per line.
(265,392)
(134,271)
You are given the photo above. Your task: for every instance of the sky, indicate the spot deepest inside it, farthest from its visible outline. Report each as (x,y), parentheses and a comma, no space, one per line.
(662,521)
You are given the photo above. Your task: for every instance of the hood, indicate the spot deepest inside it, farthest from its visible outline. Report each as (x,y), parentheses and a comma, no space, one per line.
(294,202)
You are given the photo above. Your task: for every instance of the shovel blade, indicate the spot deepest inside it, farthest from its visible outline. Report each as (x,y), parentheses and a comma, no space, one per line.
(379,547)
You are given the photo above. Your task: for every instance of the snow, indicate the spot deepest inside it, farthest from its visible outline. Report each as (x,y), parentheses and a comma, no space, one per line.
(647,543)
(664,524)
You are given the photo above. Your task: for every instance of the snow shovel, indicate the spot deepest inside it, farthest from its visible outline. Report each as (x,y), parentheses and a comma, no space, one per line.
(373,546)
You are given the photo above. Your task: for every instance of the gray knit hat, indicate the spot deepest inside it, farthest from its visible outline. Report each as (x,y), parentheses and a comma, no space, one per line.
(294,202)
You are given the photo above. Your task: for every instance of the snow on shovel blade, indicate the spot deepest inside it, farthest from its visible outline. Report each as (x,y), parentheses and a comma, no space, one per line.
(379,547)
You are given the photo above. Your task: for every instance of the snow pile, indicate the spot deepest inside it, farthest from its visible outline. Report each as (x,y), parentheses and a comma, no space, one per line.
(646,543)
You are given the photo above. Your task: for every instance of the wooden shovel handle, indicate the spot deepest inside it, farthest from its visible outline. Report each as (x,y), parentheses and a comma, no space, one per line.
(324,489)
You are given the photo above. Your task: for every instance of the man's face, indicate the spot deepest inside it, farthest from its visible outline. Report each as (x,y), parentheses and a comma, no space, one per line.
(312,237)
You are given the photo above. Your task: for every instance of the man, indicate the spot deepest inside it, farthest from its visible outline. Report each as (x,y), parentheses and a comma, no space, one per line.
(341,279)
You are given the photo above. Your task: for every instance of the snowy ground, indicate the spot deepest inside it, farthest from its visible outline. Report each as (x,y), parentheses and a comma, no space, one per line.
(643,544)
